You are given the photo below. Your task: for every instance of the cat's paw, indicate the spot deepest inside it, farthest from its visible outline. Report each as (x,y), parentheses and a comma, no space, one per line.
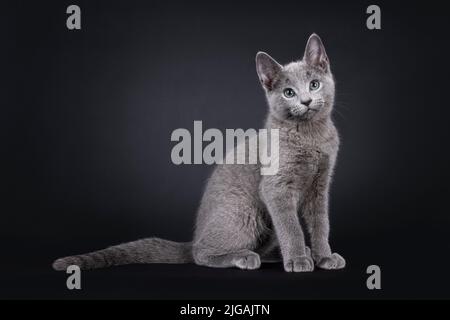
(333,262)
(299,264)
(248,262)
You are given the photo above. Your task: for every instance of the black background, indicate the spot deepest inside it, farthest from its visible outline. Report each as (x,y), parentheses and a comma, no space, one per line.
(87,117)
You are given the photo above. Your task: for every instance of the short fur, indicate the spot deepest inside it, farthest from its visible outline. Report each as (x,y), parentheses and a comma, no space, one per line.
(244,217)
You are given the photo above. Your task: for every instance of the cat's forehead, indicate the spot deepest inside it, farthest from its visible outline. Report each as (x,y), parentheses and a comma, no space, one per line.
(300,71)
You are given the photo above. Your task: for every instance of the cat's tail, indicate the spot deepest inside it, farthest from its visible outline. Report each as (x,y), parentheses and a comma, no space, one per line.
(150,250)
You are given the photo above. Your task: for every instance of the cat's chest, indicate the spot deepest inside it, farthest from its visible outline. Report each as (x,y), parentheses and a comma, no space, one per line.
(303,158)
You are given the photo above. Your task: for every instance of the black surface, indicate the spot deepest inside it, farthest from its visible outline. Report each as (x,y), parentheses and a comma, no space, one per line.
(405,274)
(87,118)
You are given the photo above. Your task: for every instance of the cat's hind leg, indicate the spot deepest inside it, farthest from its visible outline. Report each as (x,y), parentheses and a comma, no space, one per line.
(228,231)
(243,259)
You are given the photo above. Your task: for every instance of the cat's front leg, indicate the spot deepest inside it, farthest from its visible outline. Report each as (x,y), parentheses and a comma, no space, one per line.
(316,216)
(282,205)
(321,252)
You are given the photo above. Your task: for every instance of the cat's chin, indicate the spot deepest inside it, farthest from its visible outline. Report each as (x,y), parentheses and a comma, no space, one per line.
(305,116)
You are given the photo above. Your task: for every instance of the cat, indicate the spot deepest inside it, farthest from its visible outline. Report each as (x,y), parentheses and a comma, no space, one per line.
(246,218)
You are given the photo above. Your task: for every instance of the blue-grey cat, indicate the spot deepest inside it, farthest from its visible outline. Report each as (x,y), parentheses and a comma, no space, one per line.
(245,217)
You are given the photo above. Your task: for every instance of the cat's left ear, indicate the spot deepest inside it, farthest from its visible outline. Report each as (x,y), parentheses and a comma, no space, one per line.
(315,54)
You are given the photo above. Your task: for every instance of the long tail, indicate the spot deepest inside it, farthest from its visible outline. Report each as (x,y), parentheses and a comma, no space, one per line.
(150,250)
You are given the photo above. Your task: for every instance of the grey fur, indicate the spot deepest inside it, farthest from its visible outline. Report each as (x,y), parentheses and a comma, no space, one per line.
(245,218)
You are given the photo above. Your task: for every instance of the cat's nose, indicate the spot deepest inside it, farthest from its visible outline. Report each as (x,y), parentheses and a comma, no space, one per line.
(306,102)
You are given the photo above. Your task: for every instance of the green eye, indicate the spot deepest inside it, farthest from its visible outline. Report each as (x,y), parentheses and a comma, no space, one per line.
(314,85)
(289,93)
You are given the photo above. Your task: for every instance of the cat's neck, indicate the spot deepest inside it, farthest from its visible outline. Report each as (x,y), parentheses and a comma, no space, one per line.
(308,129)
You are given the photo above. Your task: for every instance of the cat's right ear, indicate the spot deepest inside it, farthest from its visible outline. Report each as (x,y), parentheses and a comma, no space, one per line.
(268,69)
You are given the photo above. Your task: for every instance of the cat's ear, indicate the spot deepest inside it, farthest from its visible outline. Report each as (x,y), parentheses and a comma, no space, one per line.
(268,69)
(315,54)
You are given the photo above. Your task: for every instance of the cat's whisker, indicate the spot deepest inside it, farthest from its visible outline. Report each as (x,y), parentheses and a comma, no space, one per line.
(339,113)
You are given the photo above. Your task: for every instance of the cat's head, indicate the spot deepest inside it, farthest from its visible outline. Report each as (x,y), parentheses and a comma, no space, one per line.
(298,91)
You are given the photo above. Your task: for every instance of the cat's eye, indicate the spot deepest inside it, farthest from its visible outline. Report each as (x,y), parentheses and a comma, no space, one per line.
(289,93)
(314,85)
